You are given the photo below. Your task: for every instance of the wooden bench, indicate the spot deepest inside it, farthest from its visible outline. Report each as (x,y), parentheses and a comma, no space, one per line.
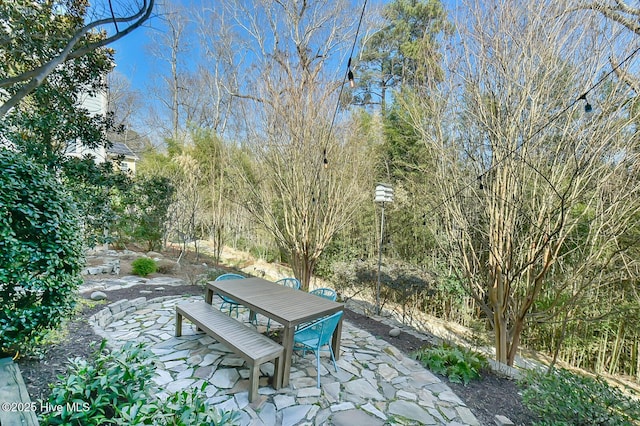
(254,347)
(17,408)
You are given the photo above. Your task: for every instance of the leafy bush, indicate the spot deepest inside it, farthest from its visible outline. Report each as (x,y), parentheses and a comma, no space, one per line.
(143,266)
(147,210)
(41,252)
(460,365)
(114,389)
(564,398)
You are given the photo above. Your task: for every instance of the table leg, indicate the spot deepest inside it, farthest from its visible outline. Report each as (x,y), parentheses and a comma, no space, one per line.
(178,324)
(208,298)
(287,342)
(335,340)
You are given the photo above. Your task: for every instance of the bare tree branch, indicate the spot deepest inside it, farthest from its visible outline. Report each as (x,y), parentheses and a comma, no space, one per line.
(37,76)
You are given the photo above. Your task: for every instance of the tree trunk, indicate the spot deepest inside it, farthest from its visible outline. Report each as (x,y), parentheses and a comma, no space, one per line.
(303,266)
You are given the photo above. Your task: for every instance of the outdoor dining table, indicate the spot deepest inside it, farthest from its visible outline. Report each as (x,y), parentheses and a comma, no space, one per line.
(284,305)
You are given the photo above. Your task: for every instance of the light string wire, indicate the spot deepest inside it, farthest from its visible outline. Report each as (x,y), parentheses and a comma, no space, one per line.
(348,74)
(582,97)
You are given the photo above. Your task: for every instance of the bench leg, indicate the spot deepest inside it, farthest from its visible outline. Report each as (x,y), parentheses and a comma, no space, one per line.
(277,371)
(254,378)
(178,324)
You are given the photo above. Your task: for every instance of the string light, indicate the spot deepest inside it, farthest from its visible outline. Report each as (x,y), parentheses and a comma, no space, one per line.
(352,83)
(587,105)
(587,108)
(348,76)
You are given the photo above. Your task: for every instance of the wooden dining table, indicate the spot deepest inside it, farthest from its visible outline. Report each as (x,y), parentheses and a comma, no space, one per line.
(284,305)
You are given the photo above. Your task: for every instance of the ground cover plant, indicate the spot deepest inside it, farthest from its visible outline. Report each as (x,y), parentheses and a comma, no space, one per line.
(565,398)
(114,388)
(459,365)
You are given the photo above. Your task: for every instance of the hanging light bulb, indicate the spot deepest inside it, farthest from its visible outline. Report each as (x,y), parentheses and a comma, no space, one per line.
(325,161)
(587,105)
(352,83)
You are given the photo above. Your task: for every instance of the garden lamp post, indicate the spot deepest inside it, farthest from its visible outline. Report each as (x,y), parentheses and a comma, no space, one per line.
(384,194)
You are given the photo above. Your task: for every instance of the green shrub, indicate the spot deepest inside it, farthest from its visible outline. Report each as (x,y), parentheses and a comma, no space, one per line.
(460,365)
(564,398)
(147,210)
(114,389)
(143,266)
(41,252)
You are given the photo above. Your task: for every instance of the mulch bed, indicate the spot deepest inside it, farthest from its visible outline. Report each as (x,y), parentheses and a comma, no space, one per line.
(487,397)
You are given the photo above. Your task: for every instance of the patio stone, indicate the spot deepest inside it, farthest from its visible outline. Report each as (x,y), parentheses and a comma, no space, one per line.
(411,411)
(283,401)
(450,397)
(374,381)
(307,392)
(362,388)
(179,385)
(342,407)
(292,415)
(386,372)
(225,378)
(268,414)
(370,408)
(355,417)
(209,359)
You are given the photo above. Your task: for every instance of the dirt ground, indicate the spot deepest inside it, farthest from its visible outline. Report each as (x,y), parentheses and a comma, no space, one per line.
(486,398)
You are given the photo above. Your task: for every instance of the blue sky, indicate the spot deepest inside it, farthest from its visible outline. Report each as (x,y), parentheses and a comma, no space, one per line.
(133,60)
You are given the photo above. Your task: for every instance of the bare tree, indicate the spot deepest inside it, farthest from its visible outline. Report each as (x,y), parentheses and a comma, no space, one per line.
(170,47)
(535,195)
(622,13)
(122,101)
(124,105)
(302,182)
(20,81)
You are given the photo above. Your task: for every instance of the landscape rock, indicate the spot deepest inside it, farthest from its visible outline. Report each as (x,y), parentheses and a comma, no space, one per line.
(394,332)
(98,295)
(503,421)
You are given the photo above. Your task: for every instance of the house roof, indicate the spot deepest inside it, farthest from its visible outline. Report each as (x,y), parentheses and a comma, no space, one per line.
(118,148)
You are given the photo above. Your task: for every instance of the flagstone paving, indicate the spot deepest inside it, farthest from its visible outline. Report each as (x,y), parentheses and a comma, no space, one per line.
(375,384)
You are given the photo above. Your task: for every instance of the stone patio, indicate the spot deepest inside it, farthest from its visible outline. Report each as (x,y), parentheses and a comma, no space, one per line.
(375,383)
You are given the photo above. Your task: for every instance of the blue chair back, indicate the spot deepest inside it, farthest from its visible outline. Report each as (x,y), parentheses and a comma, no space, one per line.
(229,277)
(327,293)
(289,282)
(321,330)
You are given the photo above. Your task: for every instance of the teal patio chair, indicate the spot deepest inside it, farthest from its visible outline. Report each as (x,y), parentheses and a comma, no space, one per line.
(324,292)
(327,293)
(287,282)
(226,300)
(317,335)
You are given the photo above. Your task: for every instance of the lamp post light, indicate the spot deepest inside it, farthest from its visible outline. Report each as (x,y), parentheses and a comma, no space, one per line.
(384,194)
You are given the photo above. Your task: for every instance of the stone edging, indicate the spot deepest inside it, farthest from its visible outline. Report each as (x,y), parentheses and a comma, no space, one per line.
(118,310)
